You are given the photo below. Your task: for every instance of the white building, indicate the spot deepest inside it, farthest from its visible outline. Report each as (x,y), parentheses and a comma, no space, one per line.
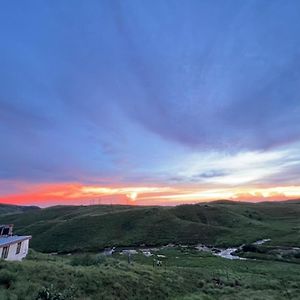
(12,247)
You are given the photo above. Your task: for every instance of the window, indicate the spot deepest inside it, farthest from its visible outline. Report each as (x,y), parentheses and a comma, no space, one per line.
(5,231)
(5,252)
(18,248)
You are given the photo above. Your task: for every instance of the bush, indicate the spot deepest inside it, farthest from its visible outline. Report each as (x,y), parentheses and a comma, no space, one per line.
(254,248)
(50,293)
(297,255)
(7,278)
(200,283)
(87,260)
(249,248)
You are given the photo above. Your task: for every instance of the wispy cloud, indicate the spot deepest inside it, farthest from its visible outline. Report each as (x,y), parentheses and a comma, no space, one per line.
(192,95)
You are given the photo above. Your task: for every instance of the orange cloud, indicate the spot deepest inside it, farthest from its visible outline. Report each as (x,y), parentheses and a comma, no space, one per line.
(257,196)
(76,193)
(51,194)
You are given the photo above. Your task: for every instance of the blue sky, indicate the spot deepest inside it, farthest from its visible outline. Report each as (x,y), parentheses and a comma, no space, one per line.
(200,94)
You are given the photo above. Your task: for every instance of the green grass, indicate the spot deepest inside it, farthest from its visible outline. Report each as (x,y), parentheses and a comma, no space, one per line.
(223,223)
(13,209)
(186,274)
(266,252)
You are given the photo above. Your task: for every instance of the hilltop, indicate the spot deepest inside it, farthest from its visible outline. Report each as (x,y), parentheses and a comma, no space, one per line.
(221,223)
(13,209)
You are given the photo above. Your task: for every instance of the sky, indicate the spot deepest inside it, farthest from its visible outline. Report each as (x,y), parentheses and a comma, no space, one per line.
(149,102)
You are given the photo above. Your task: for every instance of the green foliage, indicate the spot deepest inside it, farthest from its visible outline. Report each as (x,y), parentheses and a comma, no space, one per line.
(251,248)
(185,274)
(297,255)
(13,209)
(50,293)
(88,260)
(6,278)
(288,254)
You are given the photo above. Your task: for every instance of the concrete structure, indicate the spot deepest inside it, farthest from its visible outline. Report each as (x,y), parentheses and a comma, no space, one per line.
(12,247)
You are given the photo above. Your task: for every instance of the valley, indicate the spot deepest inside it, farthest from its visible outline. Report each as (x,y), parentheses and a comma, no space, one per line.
(218,250)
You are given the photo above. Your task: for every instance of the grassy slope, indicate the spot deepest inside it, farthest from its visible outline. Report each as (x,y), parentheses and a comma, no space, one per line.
(188,275)
(90,228)
(13,209)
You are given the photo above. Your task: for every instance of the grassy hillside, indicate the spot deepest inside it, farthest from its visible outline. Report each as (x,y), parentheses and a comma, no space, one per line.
(186,275)
(13,209)
(222,223)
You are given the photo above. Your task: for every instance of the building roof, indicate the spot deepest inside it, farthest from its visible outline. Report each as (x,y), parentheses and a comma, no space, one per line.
(5,241)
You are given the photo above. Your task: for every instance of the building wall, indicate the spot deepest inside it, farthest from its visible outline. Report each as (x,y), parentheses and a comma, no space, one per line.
(13,248)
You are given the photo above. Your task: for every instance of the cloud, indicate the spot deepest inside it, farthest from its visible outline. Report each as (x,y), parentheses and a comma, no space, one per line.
(76,193)
(187,93)
(246,97)
(212,173)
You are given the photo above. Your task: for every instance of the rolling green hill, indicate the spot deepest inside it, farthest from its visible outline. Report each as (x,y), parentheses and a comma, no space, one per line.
(13,209)
(186,273)
(220,223)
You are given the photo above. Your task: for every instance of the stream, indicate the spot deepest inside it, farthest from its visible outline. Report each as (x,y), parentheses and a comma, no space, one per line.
(229,252)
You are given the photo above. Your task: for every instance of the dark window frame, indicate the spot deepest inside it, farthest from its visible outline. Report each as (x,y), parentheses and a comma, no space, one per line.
(5,252)
(18,250)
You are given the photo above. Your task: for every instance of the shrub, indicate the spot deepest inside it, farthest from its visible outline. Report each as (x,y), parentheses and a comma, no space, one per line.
(200,283)
(50,293)
(249,248)
(87,260)
(7,278)
(297,255)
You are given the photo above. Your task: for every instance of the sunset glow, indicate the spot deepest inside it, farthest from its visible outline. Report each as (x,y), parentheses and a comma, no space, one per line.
(85,195)
(244,176)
